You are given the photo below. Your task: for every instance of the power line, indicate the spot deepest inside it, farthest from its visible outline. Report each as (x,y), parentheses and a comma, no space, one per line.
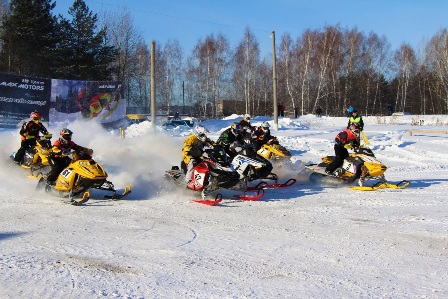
(176,17)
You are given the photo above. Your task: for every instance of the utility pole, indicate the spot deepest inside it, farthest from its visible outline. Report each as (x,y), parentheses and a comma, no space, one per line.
(274,81)
(153,86)
(183,97)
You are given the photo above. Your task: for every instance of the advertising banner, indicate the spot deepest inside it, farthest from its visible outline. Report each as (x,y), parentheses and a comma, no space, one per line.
(19,96)
(99,100)
(59,100)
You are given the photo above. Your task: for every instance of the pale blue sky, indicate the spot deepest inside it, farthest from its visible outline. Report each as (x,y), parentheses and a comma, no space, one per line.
(400,21)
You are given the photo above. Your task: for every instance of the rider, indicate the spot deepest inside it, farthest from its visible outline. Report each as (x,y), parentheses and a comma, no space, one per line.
(350,137)
(356,118)
(232,139)
(29,132)
(193,150)
(262,135)
(245,123)
(59,158)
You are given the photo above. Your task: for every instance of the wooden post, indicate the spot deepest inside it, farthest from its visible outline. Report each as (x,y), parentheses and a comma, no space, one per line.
(153,86)
(274,81)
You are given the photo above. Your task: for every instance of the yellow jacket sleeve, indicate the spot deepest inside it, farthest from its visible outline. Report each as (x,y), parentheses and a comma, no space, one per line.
(189,143)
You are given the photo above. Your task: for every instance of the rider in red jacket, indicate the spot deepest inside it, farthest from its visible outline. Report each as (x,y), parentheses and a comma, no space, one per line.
(29,133)
(58,158)
(348,136)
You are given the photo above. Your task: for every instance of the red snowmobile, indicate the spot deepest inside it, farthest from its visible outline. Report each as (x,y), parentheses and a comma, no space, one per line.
(213,173)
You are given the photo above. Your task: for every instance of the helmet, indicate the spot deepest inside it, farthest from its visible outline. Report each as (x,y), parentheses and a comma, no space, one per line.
(65,136)
(200,132)
(220,154)
(355,128)
(265,126)
(35,116)
(236,128)
(246,117)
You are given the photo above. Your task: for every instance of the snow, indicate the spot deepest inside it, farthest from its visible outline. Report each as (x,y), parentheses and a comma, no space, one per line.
(311,240)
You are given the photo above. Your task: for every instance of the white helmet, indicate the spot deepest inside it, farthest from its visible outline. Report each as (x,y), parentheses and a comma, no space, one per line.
(265,126)
(200,132)
(246,117)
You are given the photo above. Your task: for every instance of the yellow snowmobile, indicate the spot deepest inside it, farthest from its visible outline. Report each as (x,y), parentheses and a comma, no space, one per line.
(82,174)
(36,158)
(273,151)
(362,165)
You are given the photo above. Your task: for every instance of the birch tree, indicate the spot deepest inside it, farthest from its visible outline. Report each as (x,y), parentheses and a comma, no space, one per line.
(247,57)
(406,62)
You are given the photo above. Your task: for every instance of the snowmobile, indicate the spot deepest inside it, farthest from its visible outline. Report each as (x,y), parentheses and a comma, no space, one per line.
(275,152)
(252,166)
(36,158)
(211,174)
(361,165)
(79,177)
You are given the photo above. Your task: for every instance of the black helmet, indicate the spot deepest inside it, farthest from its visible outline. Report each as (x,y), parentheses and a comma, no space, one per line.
(219,154)
(65,136)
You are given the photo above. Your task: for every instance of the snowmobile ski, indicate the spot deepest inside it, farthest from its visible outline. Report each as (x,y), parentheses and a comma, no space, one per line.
(400,185)
(218,198)
(264,185)
(260,193)
(127,190)
(210,202)
(259,186)
(376,186)
(288,183)
(382,185)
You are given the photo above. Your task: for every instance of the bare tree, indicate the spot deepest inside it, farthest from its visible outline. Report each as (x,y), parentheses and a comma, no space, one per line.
(127,39)
(206,69)
(3,11)
(437,60)
(171,57)
(303,53)
(141,78)
(247,57)
(326,51)
(286,69)
(406,64)
(377,60)
(352,56)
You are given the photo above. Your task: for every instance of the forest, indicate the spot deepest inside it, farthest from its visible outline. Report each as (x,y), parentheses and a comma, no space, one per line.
(329,68)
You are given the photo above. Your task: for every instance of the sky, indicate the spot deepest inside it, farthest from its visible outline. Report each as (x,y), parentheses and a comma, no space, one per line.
(400,21)
(314,239)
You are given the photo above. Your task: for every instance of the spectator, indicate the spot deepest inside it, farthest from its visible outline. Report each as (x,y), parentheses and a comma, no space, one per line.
(390,110)
(350,111)
(356,118)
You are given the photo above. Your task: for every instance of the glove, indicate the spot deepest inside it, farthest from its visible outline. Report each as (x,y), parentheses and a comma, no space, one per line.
(48,135)
(205,155)
(66,152)
(30,137)
(207,146)
(238,149)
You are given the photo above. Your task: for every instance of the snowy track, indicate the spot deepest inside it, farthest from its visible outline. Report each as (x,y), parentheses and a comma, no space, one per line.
(306,241)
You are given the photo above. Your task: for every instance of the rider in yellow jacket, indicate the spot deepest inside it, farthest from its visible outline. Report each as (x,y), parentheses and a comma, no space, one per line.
(193,148)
